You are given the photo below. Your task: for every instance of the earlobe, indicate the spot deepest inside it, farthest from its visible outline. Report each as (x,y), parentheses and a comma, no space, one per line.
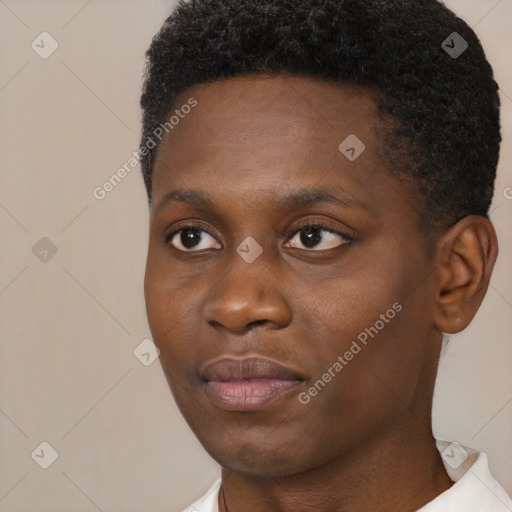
(465,259)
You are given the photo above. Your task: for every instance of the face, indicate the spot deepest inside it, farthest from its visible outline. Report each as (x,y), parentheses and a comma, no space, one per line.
(287,284)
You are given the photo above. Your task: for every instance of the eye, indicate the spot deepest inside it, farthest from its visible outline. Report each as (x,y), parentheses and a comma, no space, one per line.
(192,238)
(318,238)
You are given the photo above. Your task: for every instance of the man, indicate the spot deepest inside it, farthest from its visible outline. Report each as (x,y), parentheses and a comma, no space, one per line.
(319,178)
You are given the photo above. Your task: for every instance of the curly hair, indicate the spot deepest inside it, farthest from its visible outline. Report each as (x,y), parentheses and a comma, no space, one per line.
(444,130)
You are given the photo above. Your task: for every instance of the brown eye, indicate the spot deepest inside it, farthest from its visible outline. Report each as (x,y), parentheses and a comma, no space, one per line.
(317,238)
(192,238)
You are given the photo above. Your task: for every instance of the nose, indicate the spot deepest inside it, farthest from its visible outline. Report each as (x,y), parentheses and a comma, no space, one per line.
(249,295)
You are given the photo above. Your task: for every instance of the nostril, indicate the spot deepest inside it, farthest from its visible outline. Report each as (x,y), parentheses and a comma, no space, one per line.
(257,322)
(215,323)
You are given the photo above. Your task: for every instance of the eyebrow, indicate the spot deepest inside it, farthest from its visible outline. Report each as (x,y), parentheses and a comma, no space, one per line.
(298,198)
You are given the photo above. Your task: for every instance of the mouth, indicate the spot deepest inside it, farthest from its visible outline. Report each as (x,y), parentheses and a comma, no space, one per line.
(248,384)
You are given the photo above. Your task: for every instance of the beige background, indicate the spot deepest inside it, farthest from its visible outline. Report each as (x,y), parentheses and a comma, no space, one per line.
(69,325)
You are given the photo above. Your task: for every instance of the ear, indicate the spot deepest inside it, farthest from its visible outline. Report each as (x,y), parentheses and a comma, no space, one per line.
(465,259)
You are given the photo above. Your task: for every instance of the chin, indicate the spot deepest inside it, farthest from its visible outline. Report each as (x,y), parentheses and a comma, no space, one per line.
(258,458)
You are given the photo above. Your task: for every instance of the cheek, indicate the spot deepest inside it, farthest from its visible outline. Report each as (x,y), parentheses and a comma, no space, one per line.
(165,310)
(173,307)
(159,302)
(357,307)
(369,366)
(369,315)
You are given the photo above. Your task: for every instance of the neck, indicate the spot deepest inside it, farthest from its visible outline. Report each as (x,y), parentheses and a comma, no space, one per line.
(399,470)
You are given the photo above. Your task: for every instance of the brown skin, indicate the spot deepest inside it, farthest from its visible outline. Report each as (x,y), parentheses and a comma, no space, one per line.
(365,441)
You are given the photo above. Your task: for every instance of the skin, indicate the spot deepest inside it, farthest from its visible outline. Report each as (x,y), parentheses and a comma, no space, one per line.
(365,441)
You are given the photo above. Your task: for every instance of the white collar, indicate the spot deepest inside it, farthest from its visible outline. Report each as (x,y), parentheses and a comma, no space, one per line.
(474,488)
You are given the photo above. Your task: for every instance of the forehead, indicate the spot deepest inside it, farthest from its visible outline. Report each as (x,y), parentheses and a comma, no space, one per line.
(242,110)
(256,133)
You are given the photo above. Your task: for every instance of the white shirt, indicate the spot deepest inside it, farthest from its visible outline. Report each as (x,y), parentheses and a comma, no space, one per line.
(474,488)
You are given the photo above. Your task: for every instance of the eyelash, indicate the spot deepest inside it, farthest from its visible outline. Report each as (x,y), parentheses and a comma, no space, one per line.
(316,225)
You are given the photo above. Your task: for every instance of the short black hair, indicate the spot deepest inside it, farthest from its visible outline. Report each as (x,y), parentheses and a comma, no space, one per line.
(444,132)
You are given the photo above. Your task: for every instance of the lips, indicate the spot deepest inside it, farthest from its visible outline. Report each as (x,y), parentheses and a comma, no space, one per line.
(248,384)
